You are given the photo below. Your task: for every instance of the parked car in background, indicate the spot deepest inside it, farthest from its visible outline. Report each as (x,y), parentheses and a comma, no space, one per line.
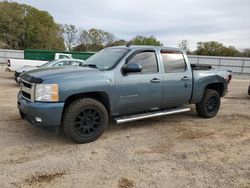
(54,63)
(13,64)
(123,83)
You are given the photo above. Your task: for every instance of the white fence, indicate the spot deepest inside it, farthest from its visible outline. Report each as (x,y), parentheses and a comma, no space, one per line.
(6,54)
(239,65)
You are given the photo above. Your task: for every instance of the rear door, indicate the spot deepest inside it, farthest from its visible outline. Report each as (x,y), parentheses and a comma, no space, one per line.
(177,79)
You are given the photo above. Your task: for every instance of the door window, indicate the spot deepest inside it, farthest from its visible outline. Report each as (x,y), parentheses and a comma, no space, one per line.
(61,56)
(75,62)
(62,63)
(147,60)
(173,61)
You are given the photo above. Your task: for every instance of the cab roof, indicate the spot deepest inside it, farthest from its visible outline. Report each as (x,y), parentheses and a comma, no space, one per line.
(141,47)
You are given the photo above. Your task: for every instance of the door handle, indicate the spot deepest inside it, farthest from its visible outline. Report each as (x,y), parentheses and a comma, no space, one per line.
(155,80)
(185,78)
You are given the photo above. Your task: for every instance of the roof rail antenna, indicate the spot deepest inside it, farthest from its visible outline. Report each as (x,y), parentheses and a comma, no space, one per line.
(130,43)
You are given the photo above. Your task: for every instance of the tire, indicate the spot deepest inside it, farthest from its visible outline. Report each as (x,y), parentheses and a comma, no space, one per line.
(209,105)
(85,120)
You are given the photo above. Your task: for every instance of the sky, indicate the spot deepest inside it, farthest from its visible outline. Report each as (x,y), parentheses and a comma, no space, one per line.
(225,21)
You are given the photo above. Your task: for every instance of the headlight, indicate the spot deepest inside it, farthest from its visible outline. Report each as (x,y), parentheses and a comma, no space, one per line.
(46,92)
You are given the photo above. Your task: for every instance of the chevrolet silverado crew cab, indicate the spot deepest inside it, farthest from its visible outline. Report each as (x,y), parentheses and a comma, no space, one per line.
(122,84)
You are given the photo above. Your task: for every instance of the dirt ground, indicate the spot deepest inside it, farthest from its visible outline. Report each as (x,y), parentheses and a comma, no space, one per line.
(181,150)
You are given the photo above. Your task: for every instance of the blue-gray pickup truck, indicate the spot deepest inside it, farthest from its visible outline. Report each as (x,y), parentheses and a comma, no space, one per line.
(123,84)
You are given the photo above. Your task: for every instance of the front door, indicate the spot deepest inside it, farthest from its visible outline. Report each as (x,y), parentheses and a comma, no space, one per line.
(139,92)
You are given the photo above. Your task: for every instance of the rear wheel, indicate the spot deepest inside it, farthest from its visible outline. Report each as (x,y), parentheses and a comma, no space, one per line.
(85,120)
(209,105)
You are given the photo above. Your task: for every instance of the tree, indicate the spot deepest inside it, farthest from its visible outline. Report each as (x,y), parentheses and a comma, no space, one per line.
(11,27)
(184,45)
(142,40)
(230,51)
(246,52)
(2,44)
(213,48)
(80,47)
(120,42)
(209,48)
(95,39)
(70,35)
(23,26)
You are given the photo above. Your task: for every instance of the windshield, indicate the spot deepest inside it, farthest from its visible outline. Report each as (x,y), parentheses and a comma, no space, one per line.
(47,64)
(107,58)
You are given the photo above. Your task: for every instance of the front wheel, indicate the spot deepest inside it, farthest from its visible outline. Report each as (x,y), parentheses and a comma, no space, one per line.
(85,120)
(209,105)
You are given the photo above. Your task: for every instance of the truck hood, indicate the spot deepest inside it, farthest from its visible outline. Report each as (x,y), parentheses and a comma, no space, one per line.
(56,73)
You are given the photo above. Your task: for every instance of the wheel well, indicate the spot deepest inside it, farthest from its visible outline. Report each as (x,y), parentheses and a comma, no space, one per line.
(219,87)
(99,96)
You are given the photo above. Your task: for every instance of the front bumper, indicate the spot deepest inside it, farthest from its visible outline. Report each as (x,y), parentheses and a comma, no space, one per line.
(49,113)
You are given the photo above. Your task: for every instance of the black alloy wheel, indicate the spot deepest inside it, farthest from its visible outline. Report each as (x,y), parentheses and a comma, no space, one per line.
(85,120)
(209,105)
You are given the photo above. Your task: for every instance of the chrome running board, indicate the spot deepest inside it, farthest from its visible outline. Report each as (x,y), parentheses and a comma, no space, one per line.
(150,114)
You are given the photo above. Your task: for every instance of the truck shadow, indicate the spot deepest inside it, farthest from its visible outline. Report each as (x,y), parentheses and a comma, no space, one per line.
(35,134)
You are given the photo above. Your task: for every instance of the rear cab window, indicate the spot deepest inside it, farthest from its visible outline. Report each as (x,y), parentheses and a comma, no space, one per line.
(173,61)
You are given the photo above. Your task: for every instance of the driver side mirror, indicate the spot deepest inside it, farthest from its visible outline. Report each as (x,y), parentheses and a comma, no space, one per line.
(132,67)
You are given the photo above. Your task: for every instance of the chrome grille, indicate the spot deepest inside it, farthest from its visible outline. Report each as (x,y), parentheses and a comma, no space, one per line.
(27,90)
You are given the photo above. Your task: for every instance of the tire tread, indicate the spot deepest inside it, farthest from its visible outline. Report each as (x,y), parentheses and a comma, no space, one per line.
(201,107)
(67,128)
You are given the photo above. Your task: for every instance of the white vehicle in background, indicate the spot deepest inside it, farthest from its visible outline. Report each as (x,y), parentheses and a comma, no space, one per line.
(54,63)
(14,64)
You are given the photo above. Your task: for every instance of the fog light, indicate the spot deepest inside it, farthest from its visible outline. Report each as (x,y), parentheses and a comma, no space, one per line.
(38,119)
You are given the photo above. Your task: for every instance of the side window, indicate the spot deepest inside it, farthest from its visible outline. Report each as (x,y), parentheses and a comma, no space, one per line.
(75,62)
(147,60)
(62,63)
(61,56)
(66,63)
(173,61)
